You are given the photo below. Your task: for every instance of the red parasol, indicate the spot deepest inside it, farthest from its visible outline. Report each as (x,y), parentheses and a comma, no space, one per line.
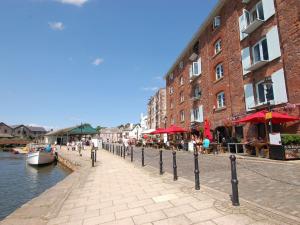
(159,131)
(260,117)
(175,129)
(207,132)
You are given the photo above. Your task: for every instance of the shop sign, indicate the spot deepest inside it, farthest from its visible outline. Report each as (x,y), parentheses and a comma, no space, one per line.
(292,151)
(268,115)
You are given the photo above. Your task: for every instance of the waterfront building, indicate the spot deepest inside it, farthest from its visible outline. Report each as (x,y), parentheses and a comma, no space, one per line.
(156,110)
(21,131)
(132,131)
(5,131)
(76,133)
(143,122)
(221,74)
(113,134)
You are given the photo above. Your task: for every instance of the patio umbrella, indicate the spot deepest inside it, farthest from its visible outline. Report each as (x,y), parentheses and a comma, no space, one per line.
(159,131)
(207,132)
(260,117)
(175,129)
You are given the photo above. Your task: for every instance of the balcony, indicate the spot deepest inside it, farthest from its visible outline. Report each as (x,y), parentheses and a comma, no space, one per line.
(257,65)
(253,26)
(195,98)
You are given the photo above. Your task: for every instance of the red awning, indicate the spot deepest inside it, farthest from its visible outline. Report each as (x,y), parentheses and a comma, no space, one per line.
(175,129)
(159,131)
(260,117)
(207,133)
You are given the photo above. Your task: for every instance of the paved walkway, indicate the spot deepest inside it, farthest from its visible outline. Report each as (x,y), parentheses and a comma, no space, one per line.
(118,192)
(268,183)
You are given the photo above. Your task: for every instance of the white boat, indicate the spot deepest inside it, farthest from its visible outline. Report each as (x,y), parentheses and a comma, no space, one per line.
(38,156)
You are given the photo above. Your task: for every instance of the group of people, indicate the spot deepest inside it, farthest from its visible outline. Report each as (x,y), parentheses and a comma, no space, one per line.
(201,145)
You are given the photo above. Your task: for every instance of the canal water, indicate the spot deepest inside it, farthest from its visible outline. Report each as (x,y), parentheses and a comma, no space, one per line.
(20,182)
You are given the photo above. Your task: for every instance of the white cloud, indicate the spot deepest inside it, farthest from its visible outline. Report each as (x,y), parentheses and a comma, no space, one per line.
(150,88)
(56,26)
(73,2)
(97,61)
(158,78)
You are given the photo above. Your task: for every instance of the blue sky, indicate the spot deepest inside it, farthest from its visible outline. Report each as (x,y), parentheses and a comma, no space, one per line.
(69,61)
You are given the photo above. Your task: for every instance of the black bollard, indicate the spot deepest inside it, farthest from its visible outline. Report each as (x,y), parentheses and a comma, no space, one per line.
(124,153)
(93,159)
(234,182)
(95,155)
(174,166)
(131,154)
(160,162)
(143,157)
(113,149)
(196,171)
(121,151)
(91,154)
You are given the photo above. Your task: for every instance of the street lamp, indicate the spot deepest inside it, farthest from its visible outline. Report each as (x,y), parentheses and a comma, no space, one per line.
(269,96)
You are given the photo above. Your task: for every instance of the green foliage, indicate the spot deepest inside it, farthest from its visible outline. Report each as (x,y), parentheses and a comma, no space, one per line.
(98,128)
(290,139)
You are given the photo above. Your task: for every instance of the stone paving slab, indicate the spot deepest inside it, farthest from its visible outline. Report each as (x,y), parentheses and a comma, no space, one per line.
(116,191)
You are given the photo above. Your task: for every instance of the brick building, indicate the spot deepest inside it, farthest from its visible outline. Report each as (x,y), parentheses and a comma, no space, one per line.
(220,75)
(157,110)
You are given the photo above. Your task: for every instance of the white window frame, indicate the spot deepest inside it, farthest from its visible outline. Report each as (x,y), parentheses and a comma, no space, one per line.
(171,91)
(196,114)
(261,52)
(181,80)
(171,105)
(197,91)
(218,46)
(181,97)
(182,116)
(265,93)
(221,104)
(250,19)
(217,22)
(219,71)
(172,121)
(171,76)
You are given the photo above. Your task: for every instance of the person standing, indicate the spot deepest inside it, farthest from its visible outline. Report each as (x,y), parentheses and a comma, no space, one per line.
(206,143)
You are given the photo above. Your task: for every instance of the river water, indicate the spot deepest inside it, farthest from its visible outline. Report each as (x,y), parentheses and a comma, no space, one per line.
(20,182)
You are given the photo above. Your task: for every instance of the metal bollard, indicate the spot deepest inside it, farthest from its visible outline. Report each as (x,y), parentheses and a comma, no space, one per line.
(131,154)
(143,157)
(93,159)
(121,152)
(196,171)
(174,166)
(124,153)
(234,182)
(113,149)
(160,162)
(95,155)
(91,153)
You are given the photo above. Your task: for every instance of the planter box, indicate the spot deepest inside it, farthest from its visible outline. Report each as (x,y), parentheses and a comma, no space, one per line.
(292,151)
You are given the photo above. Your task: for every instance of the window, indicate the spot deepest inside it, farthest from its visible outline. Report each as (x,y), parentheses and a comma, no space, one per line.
(219,71)
(239,132)
(171,105)
(181,65)
(256,13)
(195,115)
(182,115)
(221,100)
(171,76)
(19,132)
(5,131)
(197,92)
(181,80)
(260,51)
(171,91)
(218,46)
(172,121)
(261,92)
(181,97)
(217,22)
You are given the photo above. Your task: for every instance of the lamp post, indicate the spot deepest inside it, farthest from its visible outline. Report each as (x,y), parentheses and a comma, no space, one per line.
(269,96)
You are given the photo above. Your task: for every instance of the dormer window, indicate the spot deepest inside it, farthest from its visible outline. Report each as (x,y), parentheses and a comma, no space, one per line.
(217,22)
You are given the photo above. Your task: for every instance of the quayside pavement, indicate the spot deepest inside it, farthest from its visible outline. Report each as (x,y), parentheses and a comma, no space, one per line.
(116,191)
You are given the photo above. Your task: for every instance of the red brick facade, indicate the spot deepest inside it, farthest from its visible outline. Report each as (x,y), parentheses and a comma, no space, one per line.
(285,20)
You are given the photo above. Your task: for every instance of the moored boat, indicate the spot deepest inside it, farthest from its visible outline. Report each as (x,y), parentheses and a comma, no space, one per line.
(40,155)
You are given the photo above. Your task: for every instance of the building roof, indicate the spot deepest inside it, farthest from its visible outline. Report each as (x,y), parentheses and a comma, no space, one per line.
(196,36)
(84,129)
(37,129)
(1,123)
(111,130)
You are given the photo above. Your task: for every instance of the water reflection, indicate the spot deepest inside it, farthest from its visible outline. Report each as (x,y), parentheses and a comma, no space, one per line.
(20,182)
